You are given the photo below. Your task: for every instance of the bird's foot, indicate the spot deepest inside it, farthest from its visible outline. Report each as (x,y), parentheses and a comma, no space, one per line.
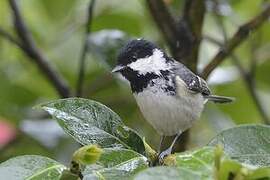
(164,154)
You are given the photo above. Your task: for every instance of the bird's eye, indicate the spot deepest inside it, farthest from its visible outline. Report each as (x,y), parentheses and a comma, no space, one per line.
(134,55)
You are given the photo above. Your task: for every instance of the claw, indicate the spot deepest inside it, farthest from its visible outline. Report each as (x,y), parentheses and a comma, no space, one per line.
(168,151)
(163,154)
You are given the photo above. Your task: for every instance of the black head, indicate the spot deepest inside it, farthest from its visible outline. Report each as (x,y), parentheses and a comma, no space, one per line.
(141,61)
(135,49)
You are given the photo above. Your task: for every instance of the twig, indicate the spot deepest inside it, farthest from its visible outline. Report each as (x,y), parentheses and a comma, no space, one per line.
(251,86)
(30,48)
(253,63)
(219,21)
(248,76)
(212,40)
(10,38)
(84,49)
(251,83)
(236,40)
(193,15)
(177,34)
(183,37)
(164,20)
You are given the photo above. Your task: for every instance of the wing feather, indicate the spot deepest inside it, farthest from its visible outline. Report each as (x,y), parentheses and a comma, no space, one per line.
(192,81)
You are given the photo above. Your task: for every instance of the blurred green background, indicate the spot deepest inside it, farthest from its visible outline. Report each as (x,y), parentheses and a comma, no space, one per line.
(58,29)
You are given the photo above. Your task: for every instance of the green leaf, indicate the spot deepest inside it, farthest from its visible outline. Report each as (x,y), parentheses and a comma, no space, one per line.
(112,157)
(90,122)
(31,167)
(124,170)
(164,173)
(116,163)
(209,163)
(248,144)
(260,173)
(200,162)
(131,138)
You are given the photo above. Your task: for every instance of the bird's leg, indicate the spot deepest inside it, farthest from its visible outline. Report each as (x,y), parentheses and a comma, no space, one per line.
(168,151)
(156,161)
(160,143)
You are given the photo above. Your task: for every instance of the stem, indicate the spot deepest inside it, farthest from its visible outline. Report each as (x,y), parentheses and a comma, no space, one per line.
(29,48)
(240,36)
(248,76)
(81,72)
(194,11)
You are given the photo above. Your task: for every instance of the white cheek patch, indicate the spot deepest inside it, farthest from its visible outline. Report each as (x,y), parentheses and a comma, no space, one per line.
(152,64)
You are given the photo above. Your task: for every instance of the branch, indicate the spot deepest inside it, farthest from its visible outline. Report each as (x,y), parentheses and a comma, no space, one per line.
(253,47)
(164,20)
(183,37)
(30,48)
(251,86)
(236,40)
(193,15)
(212,40)
(10,38)
(85,47)
(248,76)
(251,82)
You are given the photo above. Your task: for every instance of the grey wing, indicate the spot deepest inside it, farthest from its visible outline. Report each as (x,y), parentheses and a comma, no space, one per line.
(193,82)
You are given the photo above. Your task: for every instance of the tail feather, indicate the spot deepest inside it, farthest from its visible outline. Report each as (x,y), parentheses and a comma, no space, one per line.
(219,99)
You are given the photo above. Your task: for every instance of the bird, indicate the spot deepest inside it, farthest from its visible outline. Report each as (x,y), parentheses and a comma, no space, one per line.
(169,95)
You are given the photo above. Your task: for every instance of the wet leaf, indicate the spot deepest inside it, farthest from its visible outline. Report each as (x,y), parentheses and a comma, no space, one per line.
(112,158)
(209,163)
(200,162)
(260,173)
(31,167)
(164,173)
(124,170)
(248,144)
(90,122)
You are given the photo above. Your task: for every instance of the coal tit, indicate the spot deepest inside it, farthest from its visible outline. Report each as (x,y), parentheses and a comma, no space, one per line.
(169,95)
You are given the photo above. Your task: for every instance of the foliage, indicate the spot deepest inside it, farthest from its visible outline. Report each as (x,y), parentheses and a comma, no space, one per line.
(240,152)
(31,167)
(248,144)
(58,30)
(90,122)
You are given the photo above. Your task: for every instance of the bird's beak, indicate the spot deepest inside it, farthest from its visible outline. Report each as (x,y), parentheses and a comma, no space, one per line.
(117,68)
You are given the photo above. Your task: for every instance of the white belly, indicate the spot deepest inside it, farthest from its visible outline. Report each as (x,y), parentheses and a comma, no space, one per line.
(168,114)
